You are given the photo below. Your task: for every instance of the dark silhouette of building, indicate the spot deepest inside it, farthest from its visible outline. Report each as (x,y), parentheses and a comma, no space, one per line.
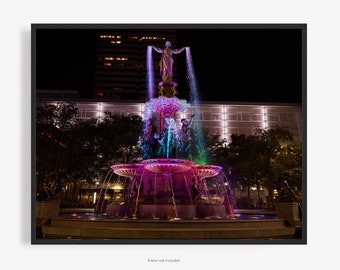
(120,69)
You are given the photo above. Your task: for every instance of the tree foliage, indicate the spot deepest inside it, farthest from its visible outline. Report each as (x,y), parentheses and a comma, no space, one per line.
(69,150)
(260,160)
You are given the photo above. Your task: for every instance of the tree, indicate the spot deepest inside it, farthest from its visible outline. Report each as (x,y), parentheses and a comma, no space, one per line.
(51,143)
(118,138)
(261,159)
(287,170)
(70,151)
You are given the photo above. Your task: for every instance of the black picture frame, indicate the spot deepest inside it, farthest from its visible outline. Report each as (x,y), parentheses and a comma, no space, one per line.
(42,54)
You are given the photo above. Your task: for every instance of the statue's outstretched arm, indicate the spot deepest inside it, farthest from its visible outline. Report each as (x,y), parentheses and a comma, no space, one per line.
(177,51)
(159,50)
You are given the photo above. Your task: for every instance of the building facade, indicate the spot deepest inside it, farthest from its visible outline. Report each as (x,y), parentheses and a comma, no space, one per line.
(223,119)
(121,62)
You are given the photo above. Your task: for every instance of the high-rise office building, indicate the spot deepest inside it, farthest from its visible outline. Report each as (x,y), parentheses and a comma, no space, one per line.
(120,70)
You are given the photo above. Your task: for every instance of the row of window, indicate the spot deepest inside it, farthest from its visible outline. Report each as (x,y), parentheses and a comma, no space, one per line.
(204,116)
(223,120)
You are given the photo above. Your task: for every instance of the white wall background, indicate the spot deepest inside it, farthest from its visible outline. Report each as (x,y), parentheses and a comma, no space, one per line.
(322,175)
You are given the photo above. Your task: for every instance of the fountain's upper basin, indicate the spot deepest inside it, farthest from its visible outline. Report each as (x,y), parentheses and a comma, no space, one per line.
(128,170)
(204,171)
(166,165)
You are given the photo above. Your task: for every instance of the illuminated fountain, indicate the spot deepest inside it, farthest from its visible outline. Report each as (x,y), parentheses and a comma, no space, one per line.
(172,182)
(172,193)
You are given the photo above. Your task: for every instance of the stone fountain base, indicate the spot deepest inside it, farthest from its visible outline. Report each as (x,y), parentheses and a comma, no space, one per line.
(166,211)
(289,211)
(169,211)
(135,230)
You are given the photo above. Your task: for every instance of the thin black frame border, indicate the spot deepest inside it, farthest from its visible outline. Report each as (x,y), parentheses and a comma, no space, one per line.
(301,26)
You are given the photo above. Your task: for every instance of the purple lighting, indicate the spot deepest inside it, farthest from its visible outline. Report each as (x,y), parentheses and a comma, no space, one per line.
(172,181)
(150,75)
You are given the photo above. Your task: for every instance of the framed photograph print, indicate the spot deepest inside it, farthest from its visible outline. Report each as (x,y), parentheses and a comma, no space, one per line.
(169,133)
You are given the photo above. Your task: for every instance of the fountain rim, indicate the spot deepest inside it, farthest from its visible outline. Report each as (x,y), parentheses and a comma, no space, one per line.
(168,160)
(133,169)
(163,165)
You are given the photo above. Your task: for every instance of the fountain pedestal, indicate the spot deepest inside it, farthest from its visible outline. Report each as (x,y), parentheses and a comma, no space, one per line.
(167,89)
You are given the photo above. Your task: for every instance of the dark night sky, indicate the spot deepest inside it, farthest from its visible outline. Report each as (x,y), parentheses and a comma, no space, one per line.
(232,64)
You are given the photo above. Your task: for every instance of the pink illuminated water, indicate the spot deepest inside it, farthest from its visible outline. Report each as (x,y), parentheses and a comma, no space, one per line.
(164,185)
(171,182)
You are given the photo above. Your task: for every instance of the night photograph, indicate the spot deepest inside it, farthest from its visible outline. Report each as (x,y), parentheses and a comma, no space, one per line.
(168,134)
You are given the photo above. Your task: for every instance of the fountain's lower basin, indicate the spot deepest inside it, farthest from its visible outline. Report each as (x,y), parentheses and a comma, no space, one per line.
(168,211)
(163,188)
(253,225)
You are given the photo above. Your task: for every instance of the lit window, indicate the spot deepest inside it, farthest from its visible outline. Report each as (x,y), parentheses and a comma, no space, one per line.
(283,118)
(245,117)
(107,36)
(271,117)
(232,117)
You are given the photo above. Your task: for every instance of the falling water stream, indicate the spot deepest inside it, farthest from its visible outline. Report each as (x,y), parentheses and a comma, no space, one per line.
(195,101)
(162,167)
